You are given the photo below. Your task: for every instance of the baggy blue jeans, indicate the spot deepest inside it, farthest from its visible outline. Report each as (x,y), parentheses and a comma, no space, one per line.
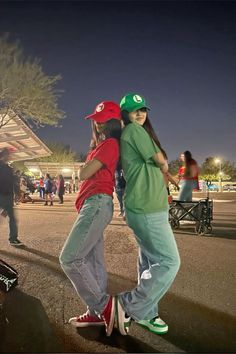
(158,264)
(82,256)
(186,190)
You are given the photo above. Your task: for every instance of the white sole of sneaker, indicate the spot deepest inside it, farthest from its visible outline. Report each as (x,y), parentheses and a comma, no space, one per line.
(109,328)
(85,324)
(16,245)
(121,319)
(153,329)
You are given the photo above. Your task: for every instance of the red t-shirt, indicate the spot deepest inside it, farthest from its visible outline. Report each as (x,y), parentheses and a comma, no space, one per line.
(41,183)
(103,181)
(181,171)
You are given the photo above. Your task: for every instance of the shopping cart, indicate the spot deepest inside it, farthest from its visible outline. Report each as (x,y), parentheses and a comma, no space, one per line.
(199,213)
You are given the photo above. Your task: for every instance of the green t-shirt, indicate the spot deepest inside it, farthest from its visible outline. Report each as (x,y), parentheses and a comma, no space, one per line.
(145,191)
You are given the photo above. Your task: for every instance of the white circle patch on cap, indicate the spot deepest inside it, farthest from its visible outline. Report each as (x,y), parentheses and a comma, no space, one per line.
(100,107)
(137,98)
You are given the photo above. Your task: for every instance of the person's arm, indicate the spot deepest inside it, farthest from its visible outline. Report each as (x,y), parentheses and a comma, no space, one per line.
(172,180)
(180,174)
(89,169)
(160,161)
(140,140)
(178,177)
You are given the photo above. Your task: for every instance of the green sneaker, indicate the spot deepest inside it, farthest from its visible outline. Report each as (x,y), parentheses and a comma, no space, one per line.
(156,325)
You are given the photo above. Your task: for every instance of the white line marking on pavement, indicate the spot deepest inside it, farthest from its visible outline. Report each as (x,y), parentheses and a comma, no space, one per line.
(217,200)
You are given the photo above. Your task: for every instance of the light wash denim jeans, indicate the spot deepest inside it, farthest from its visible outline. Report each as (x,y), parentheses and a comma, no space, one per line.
(158,264)
(186,190)
(82,256)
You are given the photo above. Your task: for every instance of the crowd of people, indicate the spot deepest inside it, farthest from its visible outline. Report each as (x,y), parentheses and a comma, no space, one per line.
(46,186)
(125,156)
(16,187)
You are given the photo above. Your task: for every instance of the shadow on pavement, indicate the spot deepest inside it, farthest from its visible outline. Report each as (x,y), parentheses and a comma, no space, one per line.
(127,343)
(192,327)
(54,266)
(226,224)
(52,209)
(228,232)
(27,328)
(195,327)
(42,254)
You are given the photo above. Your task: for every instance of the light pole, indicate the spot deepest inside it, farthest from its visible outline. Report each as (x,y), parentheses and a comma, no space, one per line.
(218,161)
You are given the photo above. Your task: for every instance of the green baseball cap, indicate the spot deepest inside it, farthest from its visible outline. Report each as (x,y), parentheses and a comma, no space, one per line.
(132,102)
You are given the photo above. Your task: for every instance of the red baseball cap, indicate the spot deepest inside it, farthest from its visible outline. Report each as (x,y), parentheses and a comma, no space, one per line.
(105,111)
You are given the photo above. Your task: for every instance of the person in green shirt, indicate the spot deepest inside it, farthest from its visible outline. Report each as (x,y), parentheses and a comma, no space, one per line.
(147,213)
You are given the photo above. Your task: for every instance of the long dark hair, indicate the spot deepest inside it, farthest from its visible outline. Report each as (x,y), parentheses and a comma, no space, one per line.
(112,130)
(188,160)
(148,127)
(47,175)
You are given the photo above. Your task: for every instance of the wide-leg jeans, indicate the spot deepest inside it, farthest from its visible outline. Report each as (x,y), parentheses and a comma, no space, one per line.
(158,264)
(186,190)
(82,256)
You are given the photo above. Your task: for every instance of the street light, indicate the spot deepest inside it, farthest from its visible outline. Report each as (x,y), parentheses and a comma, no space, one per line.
(218,161)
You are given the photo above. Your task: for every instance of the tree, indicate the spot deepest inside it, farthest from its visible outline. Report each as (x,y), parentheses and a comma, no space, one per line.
(61,153)
(210,170)
(25,90)
(229,170)
(209,167)
(19,165)
(174,166)
(81,157)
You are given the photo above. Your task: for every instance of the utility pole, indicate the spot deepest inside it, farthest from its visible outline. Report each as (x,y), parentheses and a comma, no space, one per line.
(218,161)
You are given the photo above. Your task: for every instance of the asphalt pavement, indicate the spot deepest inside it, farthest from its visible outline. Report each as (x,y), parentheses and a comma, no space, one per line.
(199,308)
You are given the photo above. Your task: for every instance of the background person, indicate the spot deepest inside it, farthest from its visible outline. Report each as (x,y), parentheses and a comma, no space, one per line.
(146,208)
(17,193)
(7,197)
(41,188)
(60,188)
(48,189)
(188,177)
(23,188)
(120,187)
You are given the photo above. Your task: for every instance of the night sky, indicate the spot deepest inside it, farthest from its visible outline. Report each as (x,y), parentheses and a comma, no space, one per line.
(180,55)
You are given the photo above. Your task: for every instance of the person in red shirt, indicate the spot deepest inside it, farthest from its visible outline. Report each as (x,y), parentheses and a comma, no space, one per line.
(188,176)
(82,256)
(41,188)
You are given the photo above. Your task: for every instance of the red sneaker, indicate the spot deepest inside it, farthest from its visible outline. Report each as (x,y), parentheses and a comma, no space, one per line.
(86,320)
(108,315)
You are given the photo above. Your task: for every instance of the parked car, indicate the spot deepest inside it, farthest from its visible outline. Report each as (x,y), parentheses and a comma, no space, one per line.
(213,187)
(229,187)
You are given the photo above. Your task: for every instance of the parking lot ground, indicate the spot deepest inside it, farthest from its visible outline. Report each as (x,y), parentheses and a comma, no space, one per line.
(199,307)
